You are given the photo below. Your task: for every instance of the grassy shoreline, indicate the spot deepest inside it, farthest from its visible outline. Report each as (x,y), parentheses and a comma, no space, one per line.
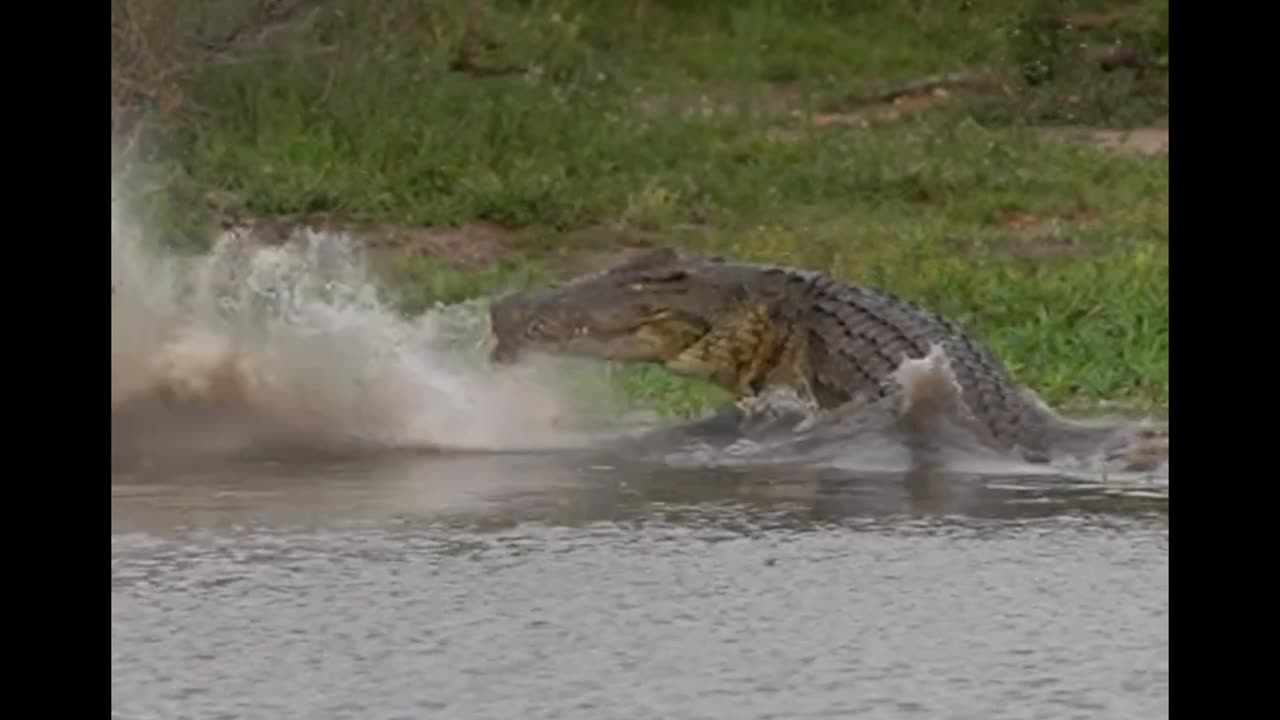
(750,129)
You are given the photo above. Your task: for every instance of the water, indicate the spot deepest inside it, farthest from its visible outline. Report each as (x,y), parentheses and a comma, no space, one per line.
(322,510)
(537,587)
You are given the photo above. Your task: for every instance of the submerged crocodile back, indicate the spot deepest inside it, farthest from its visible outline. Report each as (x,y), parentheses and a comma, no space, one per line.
(858,337)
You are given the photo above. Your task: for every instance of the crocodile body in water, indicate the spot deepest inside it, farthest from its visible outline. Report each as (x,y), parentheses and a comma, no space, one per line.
(754,329)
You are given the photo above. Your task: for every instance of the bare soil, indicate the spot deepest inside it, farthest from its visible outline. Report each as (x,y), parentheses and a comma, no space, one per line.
(469,246)
(1143,141)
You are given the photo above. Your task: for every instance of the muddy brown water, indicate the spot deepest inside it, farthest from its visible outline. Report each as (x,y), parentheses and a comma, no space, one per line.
(551,585)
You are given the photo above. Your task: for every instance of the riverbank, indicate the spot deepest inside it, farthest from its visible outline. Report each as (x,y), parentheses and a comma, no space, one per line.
(1000,163)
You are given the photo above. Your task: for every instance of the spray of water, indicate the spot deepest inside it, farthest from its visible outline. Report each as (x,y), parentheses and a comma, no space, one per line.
(924,425)
(252,345)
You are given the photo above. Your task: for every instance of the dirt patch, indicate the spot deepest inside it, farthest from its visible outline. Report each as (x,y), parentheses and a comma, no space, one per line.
(721,99)
(1036,245)
(1140,141)
(873,114)
(469,246)
(1038,237)
(787,100)
(597,247)
(1047,235)
(582,262)
(1017,220)
(900,101)
(785,103)
(1044,246)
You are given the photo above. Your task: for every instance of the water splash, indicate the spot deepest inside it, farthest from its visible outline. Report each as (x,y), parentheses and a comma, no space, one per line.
(253,345)
(922,425)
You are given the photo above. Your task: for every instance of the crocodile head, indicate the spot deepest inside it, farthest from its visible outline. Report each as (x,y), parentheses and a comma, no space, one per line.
(649,309)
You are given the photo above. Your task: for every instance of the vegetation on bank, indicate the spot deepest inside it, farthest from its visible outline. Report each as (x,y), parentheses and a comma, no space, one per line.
(761,129)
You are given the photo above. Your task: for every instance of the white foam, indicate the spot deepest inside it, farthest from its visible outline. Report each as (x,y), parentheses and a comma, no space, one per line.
(297,337)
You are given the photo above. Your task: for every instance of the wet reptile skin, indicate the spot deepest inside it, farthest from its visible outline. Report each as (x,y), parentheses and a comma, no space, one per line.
(749,327)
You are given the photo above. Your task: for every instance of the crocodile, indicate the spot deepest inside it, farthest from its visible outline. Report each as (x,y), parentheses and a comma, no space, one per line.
(752,328)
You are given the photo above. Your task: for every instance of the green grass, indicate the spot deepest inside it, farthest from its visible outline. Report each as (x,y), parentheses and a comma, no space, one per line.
(608,128)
